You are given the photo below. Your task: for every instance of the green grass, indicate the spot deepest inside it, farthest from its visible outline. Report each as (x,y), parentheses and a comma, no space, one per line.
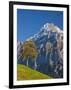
(26,73)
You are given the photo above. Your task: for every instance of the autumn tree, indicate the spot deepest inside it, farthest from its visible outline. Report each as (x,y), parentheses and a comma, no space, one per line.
(30,50)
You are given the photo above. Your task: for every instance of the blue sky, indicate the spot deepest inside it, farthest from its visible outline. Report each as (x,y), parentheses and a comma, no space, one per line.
(29,22)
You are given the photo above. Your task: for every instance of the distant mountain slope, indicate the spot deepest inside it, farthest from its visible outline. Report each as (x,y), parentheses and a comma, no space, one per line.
(26,73)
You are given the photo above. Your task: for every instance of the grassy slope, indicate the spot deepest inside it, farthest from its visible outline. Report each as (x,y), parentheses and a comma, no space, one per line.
(26,73)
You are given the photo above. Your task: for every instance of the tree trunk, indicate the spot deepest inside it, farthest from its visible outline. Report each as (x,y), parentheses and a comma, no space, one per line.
(27,62)
(46,55)
(35,66)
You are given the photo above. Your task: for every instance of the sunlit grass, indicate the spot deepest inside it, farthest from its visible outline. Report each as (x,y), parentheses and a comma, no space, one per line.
(26,73)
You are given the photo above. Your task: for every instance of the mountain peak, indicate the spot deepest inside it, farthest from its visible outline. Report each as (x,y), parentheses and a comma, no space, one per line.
(45,29)
(51,27)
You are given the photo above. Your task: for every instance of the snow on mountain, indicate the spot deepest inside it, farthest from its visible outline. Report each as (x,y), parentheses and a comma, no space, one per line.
(30,38)
(52,27)
(45,30)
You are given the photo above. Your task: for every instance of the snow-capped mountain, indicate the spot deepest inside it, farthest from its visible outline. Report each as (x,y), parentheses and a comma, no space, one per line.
(49,42)
(46,30)
(49,32)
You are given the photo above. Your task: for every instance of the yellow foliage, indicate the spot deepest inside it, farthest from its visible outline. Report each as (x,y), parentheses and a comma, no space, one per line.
(29,50)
